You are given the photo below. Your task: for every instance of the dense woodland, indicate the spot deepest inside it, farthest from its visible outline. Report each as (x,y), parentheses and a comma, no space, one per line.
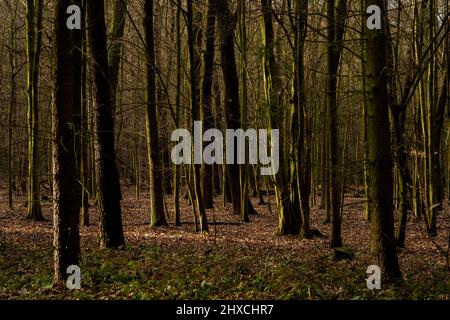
(88,107)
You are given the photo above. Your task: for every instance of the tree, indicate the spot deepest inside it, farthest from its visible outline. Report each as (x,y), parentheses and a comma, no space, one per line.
(336,28)
(13,103)
(288,221)
(66,202)
(244,169)
(153,147)
(115,49)
(34,41)
(206,99)
(383,245)
(108,193)
(301,155)
(199,205)
(177,171)
(398,111)
(84,136)
(226,24)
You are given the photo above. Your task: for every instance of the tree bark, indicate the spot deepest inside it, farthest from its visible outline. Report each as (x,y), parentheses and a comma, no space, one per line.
(66,202)
(115,49)
(383,245)
(108,193)
(336,27)
(34,40)
(158,217)
(206,100)
(288,222)
(226,25)
(194,65)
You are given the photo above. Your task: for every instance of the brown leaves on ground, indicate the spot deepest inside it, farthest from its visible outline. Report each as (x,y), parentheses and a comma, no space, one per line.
(236,261)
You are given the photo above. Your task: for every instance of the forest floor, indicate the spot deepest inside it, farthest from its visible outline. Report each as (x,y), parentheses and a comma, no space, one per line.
(234,262)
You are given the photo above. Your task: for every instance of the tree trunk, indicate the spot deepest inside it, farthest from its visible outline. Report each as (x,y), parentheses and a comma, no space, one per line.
(85,134)
(194,65)
(226,25)
(287,221)
(336,27)
(115,49)
(158,217)
(301,177)
(66,202)
(12,105)
(108,193)
(383,245)
(206,100)
(34,39)
(177,169)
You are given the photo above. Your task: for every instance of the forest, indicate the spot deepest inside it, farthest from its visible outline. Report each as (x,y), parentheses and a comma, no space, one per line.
(224,150)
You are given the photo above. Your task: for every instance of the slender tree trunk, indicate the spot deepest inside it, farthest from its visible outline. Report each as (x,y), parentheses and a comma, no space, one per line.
(158,217)
(34,39)
(364,102)
(301,124)
(287,221)
(77,57)
(244,169)
(398,111)
(336,27)
(115,49)
(85,134)
(206,100)
(66,202)
(226,25)
(177,169)
(12,106)
(108,193)
(195,112)
(383,244)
